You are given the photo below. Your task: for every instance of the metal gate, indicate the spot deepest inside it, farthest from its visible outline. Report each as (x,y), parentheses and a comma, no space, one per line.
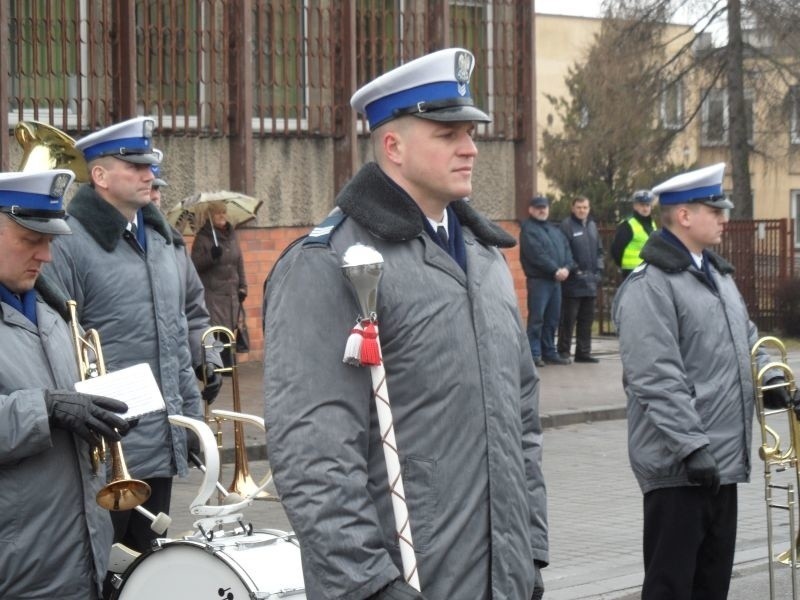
(762,253)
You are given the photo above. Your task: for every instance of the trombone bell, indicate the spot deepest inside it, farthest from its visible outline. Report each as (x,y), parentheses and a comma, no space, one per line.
(45,147)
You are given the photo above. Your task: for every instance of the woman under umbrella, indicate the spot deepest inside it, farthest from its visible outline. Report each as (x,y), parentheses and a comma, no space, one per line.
(218,258)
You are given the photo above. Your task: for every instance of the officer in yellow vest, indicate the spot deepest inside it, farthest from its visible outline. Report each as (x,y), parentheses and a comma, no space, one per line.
(632,233)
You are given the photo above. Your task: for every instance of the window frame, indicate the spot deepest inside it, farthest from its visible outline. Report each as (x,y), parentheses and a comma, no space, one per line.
(721,94)
(269,124)
(664,119)
(77,87)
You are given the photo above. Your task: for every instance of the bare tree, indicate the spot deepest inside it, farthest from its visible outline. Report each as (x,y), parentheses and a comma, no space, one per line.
(758,53)
(607,144)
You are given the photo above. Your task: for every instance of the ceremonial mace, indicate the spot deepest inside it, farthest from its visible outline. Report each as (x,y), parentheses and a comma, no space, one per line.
(363,267)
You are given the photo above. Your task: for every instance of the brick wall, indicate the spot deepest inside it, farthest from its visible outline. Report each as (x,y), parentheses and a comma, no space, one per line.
(262,247)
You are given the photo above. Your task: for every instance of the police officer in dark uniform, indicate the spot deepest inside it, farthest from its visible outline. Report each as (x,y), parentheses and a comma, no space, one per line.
(632,233)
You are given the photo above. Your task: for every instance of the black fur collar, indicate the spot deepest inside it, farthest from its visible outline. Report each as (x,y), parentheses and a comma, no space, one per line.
(377,203)
(668,257)
(105,223)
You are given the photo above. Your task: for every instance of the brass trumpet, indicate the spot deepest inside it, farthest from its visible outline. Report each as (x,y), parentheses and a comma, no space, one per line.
(243,484)
(122,492)
(777,459)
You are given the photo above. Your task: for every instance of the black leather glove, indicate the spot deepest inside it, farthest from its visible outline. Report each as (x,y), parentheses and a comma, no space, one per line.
(242,294)
(702,469)
(397,590)
(192,443)
(86,415)
(538,585)
(216,252)
(777,397)
(213,382)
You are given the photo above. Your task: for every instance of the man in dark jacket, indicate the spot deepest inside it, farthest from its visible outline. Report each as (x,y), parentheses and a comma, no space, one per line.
(464,390)
(632,233)
(580,288)
(546,260)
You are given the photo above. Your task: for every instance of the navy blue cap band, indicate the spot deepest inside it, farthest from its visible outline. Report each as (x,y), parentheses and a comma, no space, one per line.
(28,200)
(384,108)
(137,145)
(700,193)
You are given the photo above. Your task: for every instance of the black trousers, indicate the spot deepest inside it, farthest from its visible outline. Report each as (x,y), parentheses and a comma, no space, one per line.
(689,541)
(577,314)
(133,529)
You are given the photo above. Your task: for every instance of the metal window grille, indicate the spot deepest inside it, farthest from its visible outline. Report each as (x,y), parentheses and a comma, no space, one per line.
(67,59)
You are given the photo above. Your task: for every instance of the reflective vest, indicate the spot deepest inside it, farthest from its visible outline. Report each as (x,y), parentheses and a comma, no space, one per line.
(630,257)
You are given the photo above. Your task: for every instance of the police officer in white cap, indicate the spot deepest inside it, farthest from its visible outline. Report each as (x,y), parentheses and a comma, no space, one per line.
(120,265)
(55,539)
(464,390)
(685,339)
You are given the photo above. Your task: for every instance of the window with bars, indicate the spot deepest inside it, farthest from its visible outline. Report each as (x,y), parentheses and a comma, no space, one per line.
(280,65)
(795,199)
(62,59)
(44,61)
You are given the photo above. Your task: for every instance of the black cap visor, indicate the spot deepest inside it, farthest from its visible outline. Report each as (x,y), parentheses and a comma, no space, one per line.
(49,226)
(151,158)
(715,202)
(455,114)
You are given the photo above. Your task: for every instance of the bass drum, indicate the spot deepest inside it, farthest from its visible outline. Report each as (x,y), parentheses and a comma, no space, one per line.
(264,564)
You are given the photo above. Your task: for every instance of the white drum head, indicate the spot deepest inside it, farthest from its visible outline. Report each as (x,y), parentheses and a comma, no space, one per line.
(235,568)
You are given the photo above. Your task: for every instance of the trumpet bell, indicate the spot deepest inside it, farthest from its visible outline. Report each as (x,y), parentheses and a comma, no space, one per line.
(44,148)
(124,494)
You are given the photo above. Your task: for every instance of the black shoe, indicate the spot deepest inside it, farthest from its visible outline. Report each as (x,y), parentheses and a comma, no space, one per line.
(586,359)
(538,362)
(556,360)
(564,355)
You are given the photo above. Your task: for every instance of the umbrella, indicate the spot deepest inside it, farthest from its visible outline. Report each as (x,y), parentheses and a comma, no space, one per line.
(240,209)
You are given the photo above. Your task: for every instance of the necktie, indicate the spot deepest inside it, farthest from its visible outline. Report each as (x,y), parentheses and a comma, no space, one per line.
(442,233)
(130,236)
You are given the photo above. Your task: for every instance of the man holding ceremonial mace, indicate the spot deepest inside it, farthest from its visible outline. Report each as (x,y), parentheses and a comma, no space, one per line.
(464,391)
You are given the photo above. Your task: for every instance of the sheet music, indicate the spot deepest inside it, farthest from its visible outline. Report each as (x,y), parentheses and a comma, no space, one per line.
(135,386)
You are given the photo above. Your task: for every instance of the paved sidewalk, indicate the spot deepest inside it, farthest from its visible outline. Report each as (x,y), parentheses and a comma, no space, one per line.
(594,503)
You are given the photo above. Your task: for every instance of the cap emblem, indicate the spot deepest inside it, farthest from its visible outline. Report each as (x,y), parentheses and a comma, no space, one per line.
(463,69)
(60,184)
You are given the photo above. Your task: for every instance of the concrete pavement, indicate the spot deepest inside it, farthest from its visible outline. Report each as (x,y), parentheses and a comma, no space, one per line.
(594,503)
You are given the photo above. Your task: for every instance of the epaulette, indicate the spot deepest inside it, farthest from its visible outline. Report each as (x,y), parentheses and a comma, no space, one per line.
(320,236)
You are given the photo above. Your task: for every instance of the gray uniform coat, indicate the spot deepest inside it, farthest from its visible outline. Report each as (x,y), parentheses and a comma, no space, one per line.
(685,350)
(136,303)
(464,396)
(54,538)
